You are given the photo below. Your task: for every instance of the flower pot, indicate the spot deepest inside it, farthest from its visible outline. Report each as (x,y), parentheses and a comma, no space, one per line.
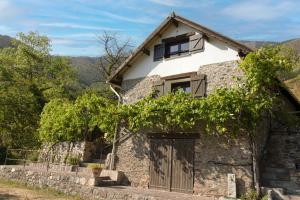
(96,172)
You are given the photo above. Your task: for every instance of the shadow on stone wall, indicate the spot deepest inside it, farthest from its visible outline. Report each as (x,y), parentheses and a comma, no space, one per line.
(7,196)
(218,156)
(214,158)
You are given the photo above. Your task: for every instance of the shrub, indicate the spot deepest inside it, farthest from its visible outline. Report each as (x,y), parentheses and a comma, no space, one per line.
(252,195)
(33,156)
(73,160)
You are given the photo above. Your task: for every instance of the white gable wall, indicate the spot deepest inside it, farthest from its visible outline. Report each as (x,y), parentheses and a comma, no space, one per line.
(214,52)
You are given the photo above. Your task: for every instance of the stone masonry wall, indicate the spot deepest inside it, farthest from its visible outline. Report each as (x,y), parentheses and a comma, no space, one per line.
(218,75)
(79,185)
(215,157)
(61,151)
(133,159)
(281,165)
(136,89)
(221,74)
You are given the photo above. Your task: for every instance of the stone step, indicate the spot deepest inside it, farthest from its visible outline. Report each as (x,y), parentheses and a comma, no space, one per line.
(112,175)
(276,170)
(274,193)
(107,183)
(279,194)
(105,178)
(290,187)
(292,197)
(271,173)
(272,176)
(101,161)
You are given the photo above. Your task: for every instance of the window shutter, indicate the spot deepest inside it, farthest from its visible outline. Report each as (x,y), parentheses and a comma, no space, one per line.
(167,88)
(158,87)
(159,52)
(196,42)
(198,85)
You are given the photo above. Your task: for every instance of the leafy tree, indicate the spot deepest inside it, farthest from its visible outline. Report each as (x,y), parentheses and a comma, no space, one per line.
(57,113)
(29,77)
(62,120)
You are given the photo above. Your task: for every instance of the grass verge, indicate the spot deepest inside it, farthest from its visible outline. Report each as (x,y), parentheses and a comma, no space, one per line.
(36,191)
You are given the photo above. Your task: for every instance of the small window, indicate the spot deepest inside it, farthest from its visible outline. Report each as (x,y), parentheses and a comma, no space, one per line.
(185,86)
(177,47)
(185,46)
(174,49)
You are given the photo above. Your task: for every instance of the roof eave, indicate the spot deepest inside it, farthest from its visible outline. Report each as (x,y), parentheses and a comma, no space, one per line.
(205,30)
(140,48)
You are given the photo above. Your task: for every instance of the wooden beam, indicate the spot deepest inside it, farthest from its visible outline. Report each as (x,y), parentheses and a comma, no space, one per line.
(177,76)
(146,51)
(175,22)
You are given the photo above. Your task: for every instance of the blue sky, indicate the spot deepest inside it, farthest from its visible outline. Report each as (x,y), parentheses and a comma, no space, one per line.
(73,25)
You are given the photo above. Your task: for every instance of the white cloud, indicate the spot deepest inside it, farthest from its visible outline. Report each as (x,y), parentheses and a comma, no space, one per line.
(78,26)
(8,10)
(63,40)
(92,50)
(258,10)
(141,20)
(171,3)
(82,35)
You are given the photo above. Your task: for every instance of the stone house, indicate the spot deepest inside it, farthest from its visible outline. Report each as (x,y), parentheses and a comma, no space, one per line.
(183,54)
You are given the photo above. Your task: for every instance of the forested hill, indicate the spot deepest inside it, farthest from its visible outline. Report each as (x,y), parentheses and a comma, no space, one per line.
(293,43)
(5,41)
(256,44)
(88,70)
(86,67)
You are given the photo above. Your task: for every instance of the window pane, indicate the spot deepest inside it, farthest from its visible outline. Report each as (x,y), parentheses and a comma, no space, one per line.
(174,48)
(185,86)
(184,46)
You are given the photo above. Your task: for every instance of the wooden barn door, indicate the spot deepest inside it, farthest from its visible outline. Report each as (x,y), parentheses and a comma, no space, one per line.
(171,164)
(160,154)
(182,179)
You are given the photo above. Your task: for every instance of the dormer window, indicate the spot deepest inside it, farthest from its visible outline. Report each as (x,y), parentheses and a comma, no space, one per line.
(179,45)
(177,48)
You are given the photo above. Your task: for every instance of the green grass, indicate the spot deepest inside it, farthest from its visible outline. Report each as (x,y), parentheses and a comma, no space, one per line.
(47,192)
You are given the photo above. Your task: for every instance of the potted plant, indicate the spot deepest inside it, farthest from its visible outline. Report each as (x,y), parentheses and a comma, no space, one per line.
(74,162)
(96,169)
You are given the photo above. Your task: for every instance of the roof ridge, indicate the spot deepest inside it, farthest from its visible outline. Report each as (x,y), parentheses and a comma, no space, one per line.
(172,14)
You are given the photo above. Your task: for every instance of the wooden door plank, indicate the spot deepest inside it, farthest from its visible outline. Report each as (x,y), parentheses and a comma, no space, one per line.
(159,163)
(182,172)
